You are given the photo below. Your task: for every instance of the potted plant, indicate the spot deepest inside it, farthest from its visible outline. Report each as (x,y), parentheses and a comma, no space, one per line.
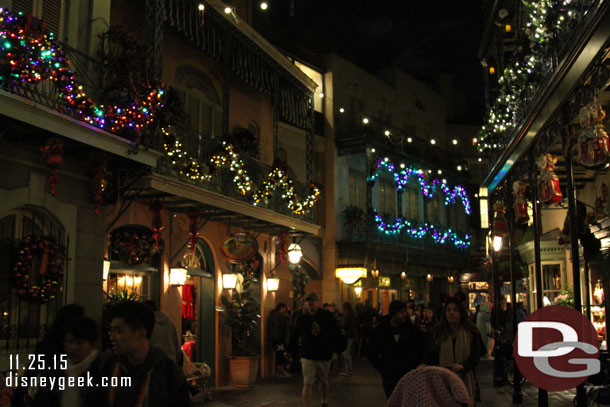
(242,316)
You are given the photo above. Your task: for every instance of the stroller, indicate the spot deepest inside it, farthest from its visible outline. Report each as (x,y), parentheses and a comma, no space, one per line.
(598,387)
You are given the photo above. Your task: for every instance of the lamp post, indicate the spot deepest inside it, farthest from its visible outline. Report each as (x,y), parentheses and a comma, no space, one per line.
(500,230)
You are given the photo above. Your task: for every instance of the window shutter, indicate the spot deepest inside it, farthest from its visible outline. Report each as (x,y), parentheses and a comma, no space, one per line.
(25,6)
(51,14)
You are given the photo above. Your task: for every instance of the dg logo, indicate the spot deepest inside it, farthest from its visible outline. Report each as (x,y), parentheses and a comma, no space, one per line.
(557,348)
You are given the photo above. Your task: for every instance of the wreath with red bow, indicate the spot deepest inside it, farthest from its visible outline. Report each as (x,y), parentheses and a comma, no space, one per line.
(38,286)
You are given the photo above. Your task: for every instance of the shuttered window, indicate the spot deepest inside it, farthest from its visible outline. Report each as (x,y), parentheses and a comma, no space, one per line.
(48,10)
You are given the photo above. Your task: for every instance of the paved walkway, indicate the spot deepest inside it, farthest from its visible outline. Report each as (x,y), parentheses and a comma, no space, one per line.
(364,389)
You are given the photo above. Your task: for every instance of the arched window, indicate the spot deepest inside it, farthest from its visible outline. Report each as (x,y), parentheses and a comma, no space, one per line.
(202,101)
(23,321)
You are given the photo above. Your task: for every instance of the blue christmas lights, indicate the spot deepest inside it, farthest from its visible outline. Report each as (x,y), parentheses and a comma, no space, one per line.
(401,178)
(419,232)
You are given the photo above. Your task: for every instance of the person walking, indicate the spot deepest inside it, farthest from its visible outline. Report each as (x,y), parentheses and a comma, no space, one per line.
(348,329)
(319,336)
(455,344)
(278,335)
(396,346)
(164,335)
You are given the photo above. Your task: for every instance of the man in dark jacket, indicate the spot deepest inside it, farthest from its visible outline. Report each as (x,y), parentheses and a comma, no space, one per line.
(319,336)
(396,346)
(155,379)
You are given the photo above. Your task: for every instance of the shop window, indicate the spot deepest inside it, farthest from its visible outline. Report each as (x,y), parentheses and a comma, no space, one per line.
(23,321)
(551,281)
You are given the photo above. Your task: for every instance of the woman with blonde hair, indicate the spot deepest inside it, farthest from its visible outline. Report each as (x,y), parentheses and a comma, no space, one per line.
(455,343)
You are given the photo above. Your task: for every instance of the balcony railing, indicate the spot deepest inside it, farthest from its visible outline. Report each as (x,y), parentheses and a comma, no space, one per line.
(202,148)
(565,41)
(365,230)
(90,74)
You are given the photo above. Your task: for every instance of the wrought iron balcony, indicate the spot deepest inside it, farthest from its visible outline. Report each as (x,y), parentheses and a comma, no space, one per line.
(90,74)
(364,230)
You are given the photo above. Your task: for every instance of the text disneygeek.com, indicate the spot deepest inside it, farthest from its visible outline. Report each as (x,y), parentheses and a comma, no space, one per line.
(60,383)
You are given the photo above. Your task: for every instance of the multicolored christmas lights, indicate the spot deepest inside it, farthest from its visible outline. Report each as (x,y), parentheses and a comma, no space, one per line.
(401,178)
(419,232)
(30,54)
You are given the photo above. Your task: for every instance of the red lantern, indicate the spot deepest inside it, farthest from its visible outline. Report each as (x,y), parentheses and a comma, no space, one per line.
(500,226)
(549,191)
(520,205)
(53,157)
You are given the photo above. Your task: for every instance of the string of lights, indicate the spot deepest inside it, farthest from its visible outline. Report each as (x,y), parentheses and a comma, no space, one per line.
(546,19)
(401,178)
(419,232)
(30,54)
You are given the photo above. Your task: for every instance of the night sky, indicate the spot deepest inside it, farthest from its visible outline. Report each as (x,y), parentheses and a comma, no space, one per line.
(423,38)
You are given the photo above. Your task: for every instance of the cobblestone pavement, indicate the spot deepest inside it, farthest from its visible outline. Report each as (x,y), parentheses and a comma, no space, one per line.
(364,389)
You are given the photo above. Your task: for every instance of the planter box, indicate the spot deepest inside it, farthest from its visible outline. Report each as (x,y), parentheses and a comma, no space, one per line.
(244,370)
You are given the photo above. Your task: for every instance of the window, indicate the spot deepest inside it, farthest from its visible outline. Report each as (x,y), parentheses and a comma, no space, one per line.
(50,11)
(357,189)
(201,101)
(24,323)
(433,210)
(410,200)
(387,197)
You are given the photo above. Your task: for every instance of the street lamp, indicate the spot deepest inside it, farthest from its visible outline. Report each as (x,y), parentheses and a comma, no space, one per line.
(500,230)
(294,253)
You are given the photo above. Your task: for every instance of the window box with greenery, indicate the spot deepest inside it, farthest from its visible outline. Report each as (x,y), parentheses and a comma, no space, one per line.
(242,317)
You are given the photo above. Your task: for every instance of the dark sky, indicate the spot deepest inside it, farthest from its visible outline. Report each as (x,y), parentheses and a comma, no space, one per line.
(423,38)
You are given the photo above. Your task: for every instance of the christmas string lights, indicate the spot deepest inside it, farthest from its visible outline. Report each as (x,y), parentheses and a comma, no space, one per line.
(419,232)
(30,54)
(401,178)
(546,20)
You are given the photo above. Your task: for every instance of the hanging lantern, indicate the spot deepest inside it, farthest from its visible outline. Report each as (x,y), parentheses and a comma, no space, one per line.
(156,207)
(98,183)
(549,191)
(593,149)
(520,204)
(52,152)
(193,215)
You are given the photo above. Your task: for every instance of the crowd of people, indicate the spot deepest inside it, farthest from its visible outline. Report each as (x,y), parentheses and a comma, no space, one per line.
(408,345)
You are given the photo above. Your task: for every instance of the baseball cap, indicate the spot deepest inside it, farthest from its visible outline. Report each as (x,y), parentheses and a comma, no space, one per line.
(311,297)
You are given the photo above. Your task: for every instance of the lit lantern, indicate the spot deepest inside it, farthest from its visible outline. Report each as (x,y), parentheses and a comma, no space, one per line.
(429,277)
(294,253)
(273,284)
(229,281)
(177,276)
(350,274)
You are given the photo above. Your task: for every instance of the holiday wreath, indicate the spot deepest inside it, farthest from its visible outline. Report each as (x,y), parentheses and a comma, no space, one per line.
(41,285)
(134,245)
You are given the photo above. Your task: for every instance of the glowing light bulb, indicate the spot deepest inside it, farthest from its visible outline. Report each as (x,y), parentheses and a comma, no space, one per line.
(227,10)
(454,141)
(264,5)
(365,120)
(409,140)
(432,141)
(387,132)
(341,110)
(201,7)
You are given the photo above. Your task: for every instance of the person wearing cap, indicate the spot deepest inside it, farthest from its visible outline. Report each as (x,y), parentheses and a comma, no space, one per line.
(319,335)
(396,346)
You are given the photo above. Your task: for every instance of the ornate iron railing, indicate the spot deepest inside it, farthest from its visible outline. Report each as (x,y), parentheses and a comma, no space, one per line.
(365,230)
(565,41)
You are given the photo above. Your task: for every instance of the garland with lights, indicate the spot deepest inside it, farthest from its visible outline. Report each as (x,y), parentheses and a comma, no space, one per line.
(401,178)
(547,20)
(228,158)
(50,269)
(419,232)
(30,54)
